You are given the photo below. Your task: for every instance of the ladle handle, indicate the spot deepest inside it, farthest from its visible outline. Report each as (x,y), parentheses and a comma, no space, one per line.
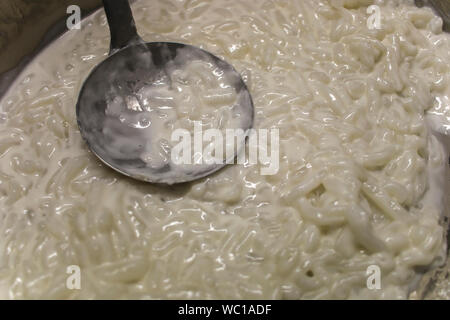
(121,24)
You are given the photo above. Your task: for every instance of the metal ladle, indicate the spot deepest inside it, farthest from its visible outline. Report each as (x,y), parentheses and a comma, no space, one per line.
(133,64)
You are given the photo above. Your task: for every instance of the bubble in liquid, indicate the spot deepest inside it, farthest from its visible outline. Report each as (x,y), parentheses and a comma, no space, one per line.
(144,122)
(3,117)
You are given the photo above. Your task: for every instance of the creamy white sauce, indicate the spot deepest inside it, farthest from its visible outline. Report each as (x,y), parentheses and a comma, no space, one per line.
(360,180)
(191,89)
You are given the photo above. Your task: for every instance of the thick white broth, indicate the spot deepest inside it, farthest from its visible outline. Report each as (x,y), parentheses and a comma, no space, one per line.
(358,183)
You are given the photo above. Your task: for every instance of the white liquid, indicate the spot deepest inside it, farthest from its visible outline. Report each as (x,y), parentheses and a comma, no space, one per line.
(198,91)
(357,184)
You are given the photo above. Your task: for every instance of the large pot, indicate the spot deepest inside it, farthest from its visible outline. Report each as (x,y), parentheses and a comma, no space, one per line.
(27,26)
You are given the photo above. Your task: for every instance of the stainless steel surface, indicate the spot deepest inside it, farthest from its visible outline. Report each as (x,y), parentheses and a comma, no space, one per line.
(27,27)
(24,24)
(132,66)
(126,72)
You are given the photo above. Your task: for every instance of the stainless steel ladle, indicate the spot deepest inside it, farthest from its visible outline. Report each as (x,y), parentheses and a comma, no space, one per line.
(131,65)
